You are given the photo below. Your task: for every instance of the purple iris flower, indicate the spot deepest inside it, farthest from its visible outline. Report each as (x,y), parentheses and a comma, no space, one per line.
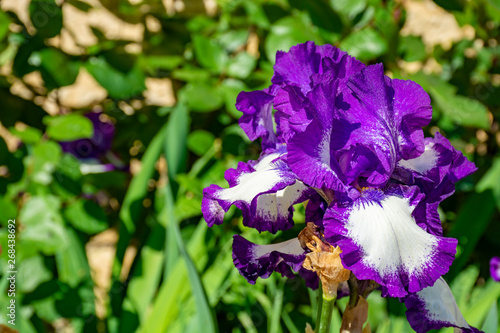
(97,145)
(348,139)
(495,268)
(94,150)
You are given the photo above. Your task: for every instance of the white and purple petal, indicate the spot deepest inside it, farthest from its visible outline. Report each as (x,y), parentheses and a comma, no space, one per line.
(254,261)
(440,160)
(381,241)
(265,192)
(433,308)
(435,172)
(311,153)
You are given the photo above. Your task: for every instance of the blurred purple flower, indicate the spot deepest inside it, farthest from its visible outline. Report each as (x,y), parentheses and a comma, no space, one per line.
(98,145)
(495,268)
(93,152)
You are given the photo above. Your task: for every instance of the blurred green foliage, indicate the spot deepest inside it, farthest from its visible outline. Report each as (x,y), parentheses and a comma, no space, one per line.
(159,267)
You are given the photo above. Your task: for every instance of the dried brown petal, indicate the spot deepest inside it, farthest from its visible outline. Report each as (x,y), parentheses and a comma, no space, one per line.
(354,318)
(329,268)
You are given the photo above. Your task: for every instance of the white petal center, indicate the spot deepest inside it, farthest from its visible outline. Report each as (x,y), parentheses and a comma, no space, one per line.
(441,305)
(251,184)
(424,162)
(272,205)
(291,246)
(389,237)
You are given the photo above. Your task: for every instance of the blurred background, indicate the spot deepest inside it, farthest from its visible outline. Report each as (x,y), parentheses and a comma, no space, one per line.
(115,114)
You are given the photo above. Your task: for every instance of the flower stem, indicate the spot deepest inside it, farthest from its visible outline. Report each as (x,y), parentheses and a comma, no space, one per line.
(325,317)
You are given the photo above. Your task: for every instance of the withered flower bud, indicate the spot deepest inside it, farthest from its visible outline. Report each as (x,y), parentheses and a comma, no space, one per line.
(324,260)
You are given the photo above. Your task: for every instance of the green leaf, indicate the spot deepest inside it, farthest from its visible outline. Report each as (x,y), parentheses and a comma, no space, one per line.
(479,208)
(144,283)
(348,8)
(31,273)
(200,141)
(491,322)
(187,207)
(230,90)
(4,25)
(174,289)
(154,63)
(46,17)
(52,60)
(481,302)
(69,127)
(72,266)
(44,225)
(242,65)
(462,286)
(67,177)
(206,319)
(120,85)
(320,14)
(286,33)
(201,97)
(189,74)
(46,155)
(412,48)
(491,180)
(176,138)
(83,6)
(28,135)
(365,44)
(462,110)
(132,203)
(8,210)
(86,216)
(233,39)
(209,53)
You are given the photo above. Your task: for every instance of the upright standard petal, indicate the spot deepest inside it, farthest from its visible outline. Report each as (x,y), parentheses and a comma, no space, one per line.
(381,241)
(257,119)
(434,308)
(297,72)
(389,115)
(255,261)
(264,192)
(311,153)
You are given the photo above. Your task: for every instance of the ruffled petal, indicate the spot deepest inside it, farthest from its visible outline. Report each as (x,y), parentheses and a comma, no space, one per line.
(303,60)
(318,65)
(311,153)
(265,192)
(495,268)
(434,308)
(435,172)
(381,241)
(257,119)
(440,160)
(389,115)
(253,261)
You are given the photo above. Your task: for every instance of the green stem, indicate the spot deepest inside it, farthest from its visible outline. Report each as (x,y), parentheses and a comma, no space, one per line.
(326,315)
